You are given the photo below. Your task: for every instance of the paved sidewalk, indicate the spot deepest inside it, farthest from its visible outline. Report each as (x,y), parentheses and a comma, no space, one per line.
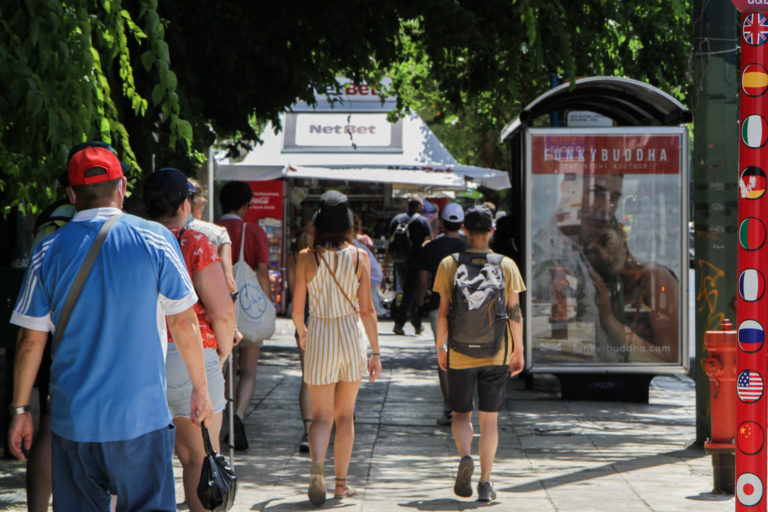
(554,455)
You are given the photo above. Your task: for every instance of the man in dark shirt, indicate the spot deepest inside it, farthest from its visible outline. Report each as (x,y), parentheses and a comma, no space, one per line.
(407,272)
(432,254)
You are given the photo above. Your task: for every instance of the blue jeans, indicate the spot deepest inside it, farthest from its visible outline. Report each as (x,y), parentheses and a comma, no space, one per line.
(138,471)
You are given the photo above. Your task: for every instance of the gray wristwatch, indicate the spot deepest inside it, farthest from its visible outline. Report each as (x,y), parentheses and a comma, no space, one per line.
(19,410)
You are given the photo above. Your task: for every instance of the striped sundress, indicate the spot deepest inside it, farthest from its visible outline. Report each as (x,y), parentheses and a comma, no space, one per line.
(336,339)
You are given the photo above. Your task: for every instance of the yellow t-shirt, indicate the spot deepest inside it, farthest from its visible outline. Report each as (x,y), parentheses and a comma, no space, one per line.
(513,283)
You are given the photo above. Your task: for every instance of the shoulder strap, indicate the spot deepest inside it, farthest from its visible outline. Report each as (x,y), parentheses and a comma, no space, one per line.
(413,218)
(495,258)
(333,276)
(82,276)
(242,243)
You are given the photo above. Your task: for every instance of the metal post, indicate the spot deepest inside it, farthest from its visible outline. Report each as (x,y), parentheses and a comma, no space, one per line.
(752,252)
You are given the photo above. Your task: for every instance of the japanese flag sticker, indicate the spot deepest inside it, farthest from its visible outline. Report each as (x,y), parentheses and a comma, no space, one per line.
(749,489)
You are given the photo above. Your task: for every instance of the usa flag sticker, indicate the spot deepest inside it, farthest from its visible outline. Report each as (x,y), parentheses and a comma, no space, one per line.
(754,80)
(754,29)
(749,489)
(749,386)
(754,131)
(751,336)
(751,285)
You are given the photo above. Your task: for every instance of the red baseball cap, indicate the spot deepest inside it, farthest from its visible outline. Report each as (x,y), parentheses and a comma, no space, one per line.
(93,164)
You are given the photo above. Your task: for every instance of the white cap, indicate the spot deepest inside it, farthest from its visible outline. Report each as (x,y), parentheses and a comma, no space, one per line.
(452,212)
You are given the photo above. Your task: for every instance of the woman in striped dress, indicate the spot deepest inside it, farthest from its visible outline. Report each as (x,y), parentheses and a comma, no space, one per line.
(336,276)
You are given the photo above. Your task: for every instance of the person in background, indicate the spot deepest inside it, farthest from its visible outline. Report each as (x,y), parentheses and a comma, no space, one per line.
(304,241)
(335,276)
(218,235)
(168,200)
(465,372)
(235,198)
(431,255)
(407,271)
(363,241)
(38,476)
(108,394)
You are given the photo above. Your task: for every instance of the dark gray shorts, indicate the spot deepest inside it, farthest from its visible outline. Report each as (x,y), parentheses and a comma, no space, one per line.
(491,385)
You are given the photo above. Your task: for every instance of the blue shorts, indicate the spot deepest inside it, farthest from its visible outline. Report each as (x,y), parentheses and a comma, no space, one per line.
(180,387)
(138,471)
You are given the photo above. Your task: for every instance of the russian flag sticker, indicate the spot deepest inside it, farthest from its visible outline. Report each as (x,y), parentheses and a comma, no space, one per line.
(751,285)
(754,80)
(751,336)
(751,234)
(754,131)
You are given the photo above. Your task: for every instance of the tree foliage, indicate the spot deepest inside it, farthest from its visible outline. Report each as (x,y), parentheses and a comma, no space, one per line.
(160,81)
(69,75)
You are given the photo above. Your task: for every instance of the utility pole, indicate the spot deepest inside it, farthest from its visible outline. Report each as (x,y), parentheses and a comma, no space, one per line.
(714,180)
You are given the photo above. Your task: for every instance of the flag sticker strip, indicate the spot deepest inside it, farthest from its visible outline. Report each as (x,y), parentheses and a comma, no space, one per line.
(754,29)
(751,336)
(751,285)
(754,80)
(749,386)
(751,234)
(754,131)
(749,489)
(750,437)
(752,183)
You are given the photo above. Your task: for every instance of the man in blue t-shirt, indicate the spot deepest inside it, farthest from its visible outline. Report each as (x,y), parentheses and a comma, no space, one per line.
(112,432)
(407,272)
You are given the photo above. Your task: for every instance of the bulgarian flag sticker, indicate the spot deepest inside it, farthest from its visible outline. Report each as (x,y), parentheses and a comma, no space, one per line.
(754,80)
(754,131)
(751,234)
(752,183)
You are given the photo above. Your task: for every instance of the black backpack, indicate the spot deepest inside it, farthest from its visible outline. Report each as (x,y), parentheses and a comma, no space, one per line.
(401,245)
(477,322)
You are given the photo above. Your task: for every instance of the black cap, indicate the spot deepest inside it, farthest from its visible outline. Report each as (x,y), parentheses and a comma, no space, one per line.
(333,215)
(478,219)
(169,184)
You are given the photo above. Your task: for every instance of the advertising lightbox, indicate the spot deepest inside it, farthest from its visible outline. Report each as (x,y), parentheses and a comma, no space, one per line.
(607,249)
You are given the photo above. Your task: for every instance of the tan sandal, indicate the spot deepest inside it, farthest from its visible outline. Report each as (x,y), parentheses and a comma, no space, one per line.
(316,491)
(349,492)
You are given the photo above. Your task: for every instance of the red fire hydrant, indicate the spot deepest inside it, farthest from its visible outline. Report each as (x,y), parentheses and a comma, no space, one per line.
(720,366)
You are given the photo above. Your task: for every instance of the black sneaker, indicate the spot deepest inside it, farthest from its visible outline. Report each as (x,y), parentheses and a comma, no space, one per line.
(241,442)
(485,491)
(304,444)
(446,418)
(463,485)
(418,330)
(398,330)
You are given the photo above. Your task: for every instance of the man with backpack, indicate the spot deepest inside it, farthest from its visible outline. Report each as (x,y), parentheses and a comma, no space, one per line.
(479,342)
(408,231)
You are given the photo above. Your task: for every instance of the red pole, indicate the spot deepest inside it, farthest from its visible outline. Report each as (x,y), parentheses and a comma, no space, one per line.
(752,319)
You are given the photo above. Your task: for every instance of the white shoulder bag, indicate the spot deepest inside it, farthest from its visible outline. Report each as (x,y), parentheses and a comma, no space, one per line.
(255,311)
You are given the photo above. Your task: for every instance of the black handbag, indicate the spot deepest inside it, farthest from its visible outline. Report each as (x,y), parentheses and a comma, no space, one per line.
(218,482)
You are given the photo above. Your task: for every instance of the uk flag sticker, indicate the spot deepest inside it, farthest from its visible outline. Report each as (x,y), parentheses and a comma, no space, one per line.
(749,489)
(755,29)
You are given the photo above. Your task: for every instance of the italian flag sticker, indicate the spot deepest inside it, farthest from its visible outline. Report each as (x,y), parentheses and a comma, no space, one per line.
(751,234)
(754,131)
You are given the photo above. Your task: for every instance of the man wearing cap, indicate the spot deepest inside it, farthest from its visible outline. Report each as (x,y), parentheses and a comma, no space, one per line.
(407,272)
(112,432)
(432,254)
(465,372)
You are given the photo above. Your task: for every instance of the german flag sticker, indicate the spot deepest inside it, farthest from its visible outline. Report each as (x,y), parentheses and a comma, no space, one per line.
(752,183)
(751,234)
(754,80)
